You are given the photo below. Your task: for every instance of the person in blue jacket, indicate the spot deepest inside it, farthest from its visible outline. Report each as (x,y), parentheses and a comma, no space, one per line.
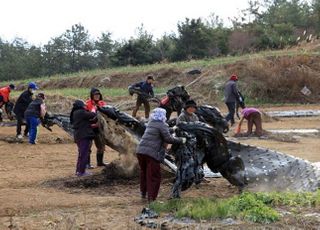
(147,91)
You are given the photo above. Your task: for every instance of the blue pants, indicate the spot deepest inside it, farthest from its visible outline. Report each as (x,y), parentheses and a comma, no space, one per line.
(32,123)
(232,109)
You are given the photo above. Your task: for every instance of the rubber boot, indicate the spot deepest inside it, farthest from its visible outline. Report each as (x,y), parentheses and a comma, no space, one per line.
(100,159)
(89,166)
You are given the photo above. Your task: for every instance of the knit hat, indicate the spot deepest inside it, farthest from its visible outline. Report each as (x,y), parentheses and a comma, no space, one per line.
(12,86)
(190,103)
(78,104)
(41,95)
(234,77)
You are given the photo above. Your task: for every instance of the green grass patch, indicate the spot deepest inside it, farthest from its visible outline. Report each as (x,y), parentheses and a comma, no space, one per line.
(255,207)
(83,93)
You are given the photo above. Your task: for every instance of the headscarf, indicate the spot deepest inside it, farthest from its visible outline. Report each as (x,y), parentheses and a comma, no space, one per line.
(159,114)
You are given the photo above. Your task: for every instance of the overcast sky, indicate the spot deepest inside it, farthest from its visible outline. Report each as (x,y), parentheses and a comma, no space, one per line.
(39,20)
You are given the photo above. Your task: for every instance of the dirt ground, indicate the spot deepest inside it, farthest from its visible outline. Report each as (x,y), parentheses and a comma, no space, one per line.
(32,195)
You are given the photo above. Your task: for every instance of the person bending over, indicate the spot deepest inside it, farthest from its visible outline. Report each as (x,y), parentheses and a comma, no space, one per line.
(253,116)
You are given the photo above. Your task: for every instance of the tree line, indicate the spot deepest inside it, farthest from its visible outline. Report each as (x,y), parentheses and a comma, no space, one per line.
(265,24)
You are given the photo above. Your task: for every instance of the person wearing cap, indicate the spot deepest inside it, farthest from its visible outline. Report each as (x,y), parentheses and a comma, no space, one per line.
(146,91)
(92,105)
(188,113)
(151,152)
(5,94)
(21,105)
(35,111)
(81,120)
(231,95)
(253,116)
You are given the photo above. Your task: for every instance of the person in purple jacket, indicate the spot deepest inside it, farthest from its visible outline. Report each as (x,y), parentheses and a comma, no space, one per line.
(253,116)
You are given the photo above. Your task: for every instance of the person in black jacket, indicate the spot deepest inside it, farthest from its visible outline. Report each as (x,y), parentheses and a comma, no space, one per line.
(21,105)
(34,113)
(81,119)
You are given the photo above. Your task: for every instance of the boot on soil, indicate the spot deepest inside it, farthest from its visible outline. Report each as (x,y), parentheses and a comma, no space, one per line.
(89,166)
(100,162)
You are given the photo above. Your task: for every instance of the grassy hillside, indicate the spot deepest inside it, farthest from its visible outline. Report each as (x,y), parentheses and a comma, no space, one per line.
(177,65)
(265,77)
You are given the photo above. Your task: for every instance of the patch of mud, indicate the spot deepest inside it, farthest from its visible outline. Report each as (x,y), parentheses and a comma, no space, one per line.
(12,140)
(8,123)
(41,140)
(111,176)
(281,137)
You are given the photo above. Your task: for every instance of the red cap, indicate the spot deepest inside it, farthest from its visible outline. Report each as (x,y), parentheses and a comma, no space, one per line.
(234,77)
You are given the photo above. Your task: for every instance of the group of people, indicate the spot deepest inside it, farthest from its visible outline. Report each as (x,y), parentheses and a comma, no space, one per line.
(29,110)
(83,118)
(151,149)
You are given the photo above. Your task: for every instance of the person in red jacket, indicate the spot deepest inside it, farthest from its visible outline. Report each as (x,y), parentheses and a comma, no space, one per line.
(5,96)
(92,105)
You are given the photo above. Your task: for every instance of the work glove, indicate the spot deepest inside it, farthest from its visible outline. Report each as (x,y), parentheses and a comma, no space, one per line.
(184,140)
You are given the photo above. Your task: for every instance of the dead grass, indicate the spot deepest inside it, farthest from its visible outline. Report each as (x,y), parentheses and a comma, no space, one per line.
(277,79)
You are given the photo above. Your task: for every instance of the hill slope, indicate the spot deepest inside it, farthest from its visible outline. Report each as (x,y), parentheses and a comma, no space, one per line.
(275,76)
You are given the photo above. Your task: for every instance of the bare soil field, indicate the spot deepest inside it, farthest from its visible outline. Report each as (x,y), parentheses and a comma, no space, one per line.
(33,195)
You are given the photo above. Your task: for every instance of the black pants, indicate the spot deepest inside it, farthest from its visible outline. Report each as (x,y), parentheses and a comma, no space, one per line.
(232,109)
(21,122)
